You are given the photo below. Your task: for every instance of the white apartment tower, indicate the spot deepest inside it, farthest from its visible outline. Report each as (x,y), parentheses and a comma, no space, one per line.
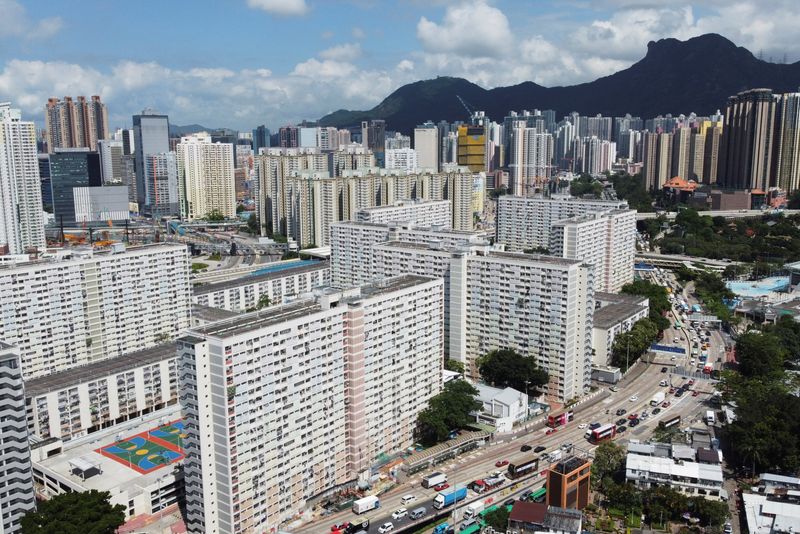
(89,306)
(21,220)
(111,153)
(404,159)
(426,143)
(531,158)
(418,212)
(205,177)
(283,405)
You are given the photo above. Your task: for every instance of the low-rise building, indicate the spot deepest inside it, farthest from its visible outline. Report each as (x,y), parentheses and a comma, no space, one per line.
(613,315)
(502,408)
(656,464)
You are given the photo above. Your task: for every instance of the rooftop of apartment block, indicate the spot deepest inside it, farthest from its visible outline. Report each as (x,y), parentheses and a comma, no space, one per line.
(88,253)
(256,277)
(613,314)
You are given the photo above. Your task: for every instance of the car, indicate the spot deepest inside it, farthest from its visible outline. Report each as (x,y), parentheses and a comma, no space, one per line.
(343,526)
(665,404)
(663,369)
(621,421)
(656,411)
(620,429)
(400,512)
(551,431)
(644,415)
(673,358)
(727,529)
(614,389)
(676,340)
(633,398)
(672,390)
(679,393)
(566,447)
(441,487)
(582,426)
(633,423)
(695,393)
(386,527)
(525,448)
(539,448)
(633,416)
(509,502)
(501,463)
(621,411)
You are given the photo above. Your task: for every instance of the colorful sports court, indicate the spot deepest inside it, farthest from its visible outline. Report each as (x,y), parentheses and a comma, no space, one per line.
(149,450)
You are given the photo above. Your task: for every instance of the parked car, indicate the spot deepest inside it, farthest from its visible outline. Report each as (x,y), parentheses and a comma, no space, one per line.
(632,416)
(621,411)
(665,404)
(663,369)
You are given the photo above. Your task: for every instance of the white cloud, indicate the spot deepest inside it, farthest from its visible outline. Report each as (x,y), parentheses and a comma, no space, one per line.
(358,33)
(14,22)
(405,65)
(280,7)
(342,52)
(473,28)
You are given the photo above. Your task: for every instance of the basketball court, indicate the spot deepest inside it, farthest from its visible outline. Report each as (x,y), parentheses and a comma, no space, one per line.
(149,450)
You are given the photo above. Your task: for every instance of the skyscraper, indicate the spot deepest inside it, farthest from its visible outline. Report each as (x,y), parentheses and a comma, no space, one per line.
(747,140)
(531,158)
(712,133)
(151,136)
(426,143)
(205,177)
(111,153)
(787,153)
(289,137)
(75,124)
(71,168)
(681,153)
(21,221)
(161,175)
(260,138)
(597,155)
(471,150)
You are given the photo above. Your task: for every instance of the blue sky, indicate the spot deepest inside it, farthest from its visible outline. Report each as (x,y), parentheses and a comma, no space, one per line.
(240,63)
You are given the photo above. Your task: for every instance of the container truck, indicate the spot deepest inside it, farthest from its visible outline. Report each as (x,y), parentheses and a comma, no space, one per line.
(448,497)
(434,479)
(473,509)
(657,399)
(366,504)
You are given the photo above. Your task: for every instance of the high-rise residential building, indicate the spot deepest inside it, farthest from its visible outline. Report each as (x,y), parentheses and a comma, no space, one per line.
(681,153)
(125,136)
(712,132)
(344,137)
(289,137)
(161,175)
(629,143)
(697,157)
(397,141)
(350,157)
(787,143)
(525,222)
(21,219)
(597,155)
(597,126)
(656,159)
(72,168)
(261,139)
(18,496)
(417,212)
(111,153)
(373,137)
(151,136)
(471,149)
(604,239)
(205,177)
(404,159)
(75,124)
(426,143)
(327,138)
(285,404)
(626,124)
(748,138)
(531,159)
(307,137)
(84,307)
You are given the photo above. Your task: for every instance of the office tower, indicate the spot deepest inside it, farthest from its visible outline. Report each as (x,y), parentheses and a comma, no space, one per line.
(71,168)
(83,307)
(404,159)
(397,141)
(44,180)
(151,136)
(111,153)
(205,177)
(21,220)
(568,483)
(597,155)
(525,222)
(128,163)
(261,139)
(417,212)
(307,137)
(748,138)
(471,147)
(161,175)
(18,496)
(604,239)
(426,143)
(125,136)
(75,124)
(787,143)
(289,137)
(285,404)
(531,159)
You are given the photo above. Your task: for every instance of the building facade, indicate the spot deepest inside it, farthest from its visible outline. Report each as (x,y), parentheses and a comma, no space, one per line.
(205,177)
(426,143)
(71,169)
(418,212)
(111,153)
(151,136)
(303,398)
(78,123)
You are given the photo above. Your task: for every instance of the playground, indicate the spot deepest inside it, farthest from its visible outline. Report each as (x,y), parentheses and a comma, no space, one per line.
(147,451)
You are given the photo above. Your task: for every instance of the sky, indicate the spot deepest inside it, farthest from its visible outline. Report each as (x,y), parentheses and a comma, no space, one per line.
(241,63)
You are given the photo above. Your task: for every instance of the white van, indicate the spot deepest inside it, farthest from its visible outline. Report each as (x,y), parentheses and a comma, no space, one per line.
(407,499)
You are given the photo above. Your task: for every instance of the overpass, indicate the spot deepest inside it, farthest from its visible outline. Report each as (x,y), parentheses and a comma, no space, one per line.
(674,261)
(728,214)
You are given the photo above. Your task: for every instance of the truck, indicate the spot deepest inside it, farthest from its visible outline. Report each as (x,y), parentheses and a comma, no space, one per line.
(444,528)
(448,497)
(710,418)
(657,399)
(366,504)
(473,509)
(553,456)
(434,479)
(494,482)
(527,467)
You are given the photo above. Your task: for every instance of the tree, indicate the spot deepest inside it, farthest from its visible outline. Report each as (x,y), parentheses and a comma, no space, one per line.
(498,519)
(623,496)
(446,411)
(630,346)
(609,459)
(537,250)
(657,296)
(662,503)
(240,208)
(252,224)
(454,365)
(215,216)
(508,368)
(710,513)
(86,512)
(760,355)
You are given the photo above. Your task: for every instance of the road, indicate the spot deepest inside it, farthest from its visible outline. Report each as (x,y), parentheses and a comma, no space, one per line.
(728,214)
(480,463)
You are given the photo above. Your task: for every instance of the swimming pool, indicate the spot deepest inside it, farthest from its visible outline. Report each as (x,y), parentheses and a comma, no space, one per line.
(281,266)
(759,288)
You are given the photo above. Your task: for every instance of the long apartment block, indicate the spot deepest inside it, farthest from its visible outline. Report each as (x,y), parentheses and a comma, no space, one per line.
(276,283)
(282,405)
(419,212)
(85,306)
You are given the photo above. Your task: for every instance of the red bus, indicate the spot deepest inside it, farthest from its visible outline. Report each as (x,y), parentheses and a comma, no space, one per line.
(603,433)
(560,418)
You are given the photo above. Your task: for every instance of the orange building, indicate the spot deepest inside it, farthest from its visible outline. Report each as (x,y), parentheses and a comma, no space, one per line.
(568,483)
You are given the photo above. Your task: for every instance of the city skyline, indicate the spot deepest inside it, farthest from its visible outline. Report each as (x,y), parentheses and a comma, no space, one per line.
(360,50)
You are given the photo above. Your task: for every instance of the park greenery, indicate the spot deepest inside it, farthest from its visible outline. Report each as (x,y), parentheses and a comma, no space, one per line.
(710,289)
(85,512)
(585,185)
(508,368)
(658,299)
(658,504)
(449,410)
(252,224)
(215,216)
(632,188)
(199,266)
(498,518)
(631,345)
(454,365)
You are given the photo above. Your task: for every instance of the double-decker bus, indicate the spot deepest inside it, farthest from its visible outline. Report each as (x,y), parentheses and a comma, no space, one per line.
(670,422)
(527,467)
(602,433)
(560,418)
